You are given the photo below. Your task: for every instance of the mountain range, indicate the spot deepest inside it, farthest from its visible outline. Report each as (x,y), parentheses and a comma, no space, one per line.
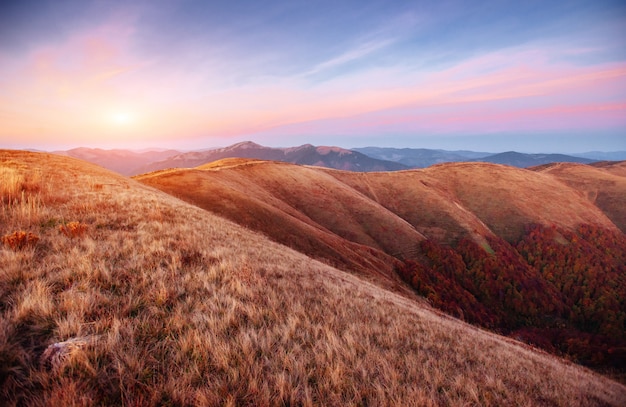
(422,158)
(366,159)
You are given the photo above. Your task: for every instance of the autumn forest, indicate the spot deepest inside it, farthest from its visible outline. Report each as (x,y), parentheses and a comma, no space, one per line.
(562,291)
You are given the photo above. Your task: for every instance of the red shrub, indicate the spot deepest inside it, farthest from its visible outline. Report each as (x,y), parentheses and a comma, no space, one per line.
(19,240)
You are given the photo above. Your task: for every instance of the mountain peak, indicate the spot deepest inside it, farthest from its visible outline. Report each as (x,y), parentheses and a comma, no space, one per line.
(324,150)
(307,154)
(303,147)
(245,145)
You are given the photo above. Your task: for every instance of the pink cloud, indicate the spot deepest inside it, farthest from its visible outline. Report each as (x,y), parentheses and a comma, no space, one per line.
(512,98)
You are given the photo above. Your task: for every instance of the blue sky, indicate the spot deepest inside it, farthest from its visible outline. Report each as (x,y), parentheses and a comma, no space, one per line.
(492,76)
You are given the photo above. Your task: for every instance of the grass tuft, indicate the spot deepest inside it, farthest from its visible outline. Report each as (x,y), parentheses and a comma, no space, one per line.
(73,229)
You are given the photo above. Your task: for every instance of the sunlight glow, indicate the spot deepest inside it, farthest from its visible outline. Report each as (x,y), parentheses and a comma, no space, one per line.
(122,118)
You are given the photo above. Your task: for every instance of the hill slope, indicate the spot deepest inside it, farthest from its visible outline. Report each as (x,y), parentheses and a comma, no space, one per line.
(457,199)
(614,167)
(473,238)
(301,207)
(125,295)
(603,184)
(387,211)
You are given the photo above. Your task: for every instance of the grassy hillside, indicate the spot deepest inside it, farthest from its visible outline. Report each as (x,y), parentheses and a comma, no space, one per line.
(449,201)
(298,206)
(513,250)
(603,184)
(119,294)
(386,211)
(530,254)
(614,167)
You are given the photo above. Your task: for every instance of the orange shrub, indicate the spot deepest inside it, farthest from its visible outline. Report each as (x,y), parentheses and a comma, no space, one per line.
(73,229)
(20,239)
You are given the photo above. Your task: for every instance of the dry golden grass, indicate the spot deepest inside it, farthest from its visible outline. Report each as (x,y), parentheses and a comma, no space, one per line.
(460,199)
(319,219)
(424,201)
(73,229)
(15,182)
(324,213)
(604,186)
(506,198)
(613,167)
(162,303)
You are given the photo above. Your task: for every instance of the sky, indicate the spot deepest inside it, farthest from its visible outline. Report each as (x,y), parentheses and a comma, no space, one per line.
(531,76)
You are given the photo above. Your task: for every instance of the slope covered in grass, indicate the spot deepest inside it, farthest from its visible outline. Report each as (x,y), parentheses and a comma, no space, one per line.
(132,297)
(362,221)
(517,251)
(298,206)
(530,254)
(477,199)
(603,184)
(614,167)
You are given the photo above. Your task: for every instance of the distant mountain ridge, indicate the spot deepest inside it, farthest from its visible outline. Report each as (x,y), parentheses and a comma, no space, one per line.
(364,159)
(521,160)
(307,154)
(422,158)
(603,156)
(125,162)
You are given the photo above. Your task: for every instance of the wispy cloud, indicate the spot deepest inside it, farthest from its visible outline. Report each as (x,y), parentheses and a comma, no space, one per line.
(465,98)
(356,53)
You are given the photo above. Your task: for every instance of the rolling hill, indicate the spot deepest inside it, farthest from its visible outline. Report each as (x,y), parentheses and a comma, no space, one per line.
(302,207)
(602,183)
(614,167)
(115,293)
(480,198)
(474,238)
(383,210)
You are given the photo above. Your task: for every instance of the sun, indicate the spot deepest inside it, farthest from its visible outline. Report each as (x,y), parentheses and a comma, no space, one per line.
(122,118)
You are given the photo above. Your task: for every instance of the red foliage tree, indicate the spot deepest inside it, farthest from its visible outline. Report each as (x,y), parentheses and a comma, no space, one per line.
(563,291)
